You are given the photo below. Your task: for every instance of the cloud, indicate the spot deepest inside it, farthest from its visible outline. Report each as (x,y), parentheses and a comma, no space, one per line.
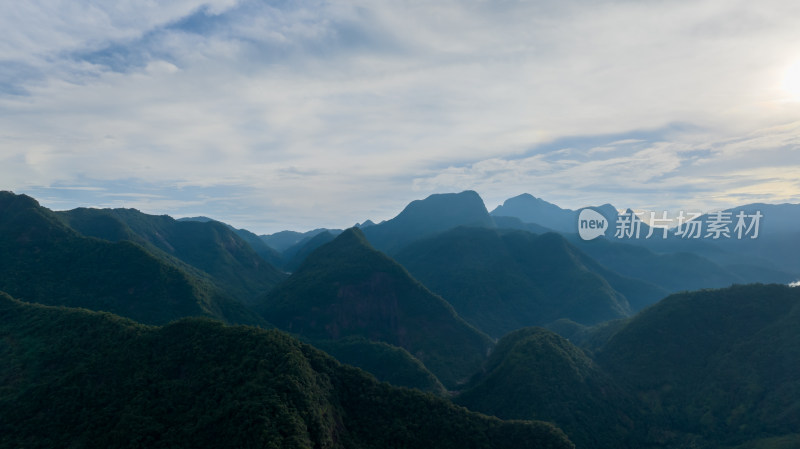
(40,28)
(688,171)
(312,109)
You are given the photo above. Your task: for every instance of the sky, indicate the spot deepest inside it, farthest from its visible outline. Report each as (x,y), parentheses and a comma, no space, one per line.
(274,115)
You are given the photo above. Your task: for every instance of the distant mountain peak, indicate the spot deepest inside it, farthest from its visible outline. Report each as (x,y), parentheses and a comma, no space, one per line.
(201,218)
(352,236)
(531,209)
(453,205)
(11,202)
(436,213)
(527,197)
(350,243)
(284,240)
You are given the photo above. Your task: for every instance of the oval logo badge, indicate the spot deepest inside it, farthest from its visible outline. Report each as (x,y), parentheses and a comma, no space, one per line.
(591,224)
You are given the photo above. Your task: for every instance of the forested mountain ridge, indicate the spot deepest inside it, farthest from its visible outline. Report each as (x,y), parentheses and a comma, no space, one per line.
(536,374)
(77,378)
(706,369)
(721,365)
(46,261)
(209,246)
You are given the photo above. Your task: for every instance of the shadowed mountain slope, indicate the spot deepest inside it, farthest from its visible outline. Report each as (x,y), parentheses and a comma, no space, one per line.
(283,240)
(704,369)
(73,378)
(210,246)
(48,262)
(347,288)
(386,362)
(535,374)
(720,365)
(296,254)
(504,280)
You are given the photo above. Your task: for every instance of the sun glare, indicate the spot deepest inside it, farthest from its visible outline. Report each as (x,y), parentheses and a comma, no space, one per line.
(791,82)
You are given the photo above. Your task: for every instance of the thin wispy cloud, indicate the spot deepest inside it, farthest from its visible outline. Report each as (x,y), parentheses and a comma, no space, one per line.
(318,113)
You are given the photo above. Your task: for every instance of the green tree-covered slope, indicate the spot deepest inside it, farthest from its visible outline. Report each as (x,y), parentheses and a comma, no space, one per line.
(720,365)
(73,378)
(43,260)
(386,362)
(210,246)
(504,280)
(296,254)
(347,288)
(536,374)
(706,369)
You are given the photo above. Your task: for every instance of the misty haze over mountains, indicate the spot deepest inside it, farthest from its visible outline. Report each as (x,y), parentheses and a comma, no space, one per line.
(619,342)
(770,255)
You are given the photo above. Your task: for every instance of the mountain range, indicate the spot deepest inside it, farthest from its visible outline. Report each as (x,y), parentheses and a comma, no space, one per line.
(677,263)
(512,315)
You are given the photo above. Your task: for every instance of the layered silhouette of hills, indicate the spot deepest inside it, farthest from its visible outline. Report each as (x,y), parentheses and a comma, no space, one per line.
(675,263)
(672,264)
(775,218)
(502,222)
(701,369)
(256,242)
(347,288)
(283,240)
(46,261)
(705,369)
(294,247)
(210,246)
(676,271)
(77,378)
(296,254)
(260,247)
(777,244)
(504,280)
(419,219)
(529,209)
